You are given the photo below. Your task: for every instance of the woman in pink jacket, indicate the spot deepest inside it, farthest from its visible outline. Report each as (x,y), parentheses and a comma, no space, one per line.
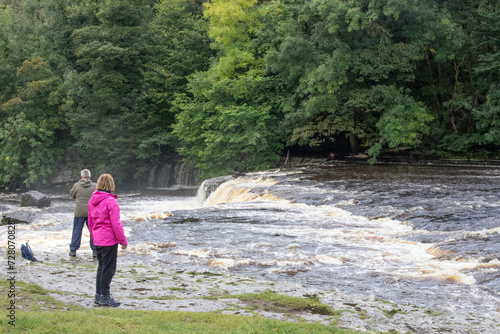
(107,232)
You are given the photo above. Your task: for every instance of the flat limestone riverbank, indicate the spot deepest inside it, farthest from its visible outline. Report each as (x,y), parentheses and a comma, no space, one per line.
(71,280)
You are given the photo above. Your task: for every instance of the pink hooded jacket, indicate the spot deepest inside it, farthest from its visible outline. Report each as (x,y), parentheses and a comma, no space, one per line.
(105,225)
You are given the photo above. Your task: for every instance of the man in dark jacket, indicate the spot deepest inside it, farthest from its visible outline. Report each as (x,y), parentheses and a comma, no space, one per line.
(81,192)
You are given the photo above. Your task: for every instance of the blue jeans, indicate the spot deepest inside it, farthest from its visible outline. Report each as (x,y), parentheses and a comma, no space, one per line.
(76,239)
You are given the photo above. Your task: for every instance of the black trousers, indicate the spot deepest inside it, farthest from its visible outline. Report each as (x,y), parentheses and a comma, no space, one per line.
(106,255)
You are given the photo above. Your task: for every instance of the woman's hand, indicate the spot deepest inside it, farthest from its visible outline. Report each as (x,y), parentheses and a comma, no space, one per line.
(124,247)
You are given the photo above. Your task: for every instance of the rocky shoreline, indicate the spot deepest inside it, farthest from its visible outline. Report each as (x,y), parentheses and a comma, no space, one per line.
(71,280)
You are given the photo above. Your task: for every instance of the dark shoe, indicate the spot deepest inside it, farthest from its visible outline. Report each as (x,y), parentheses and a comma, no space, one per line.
(72,253)
(94,253)
(108,301)
(96,301)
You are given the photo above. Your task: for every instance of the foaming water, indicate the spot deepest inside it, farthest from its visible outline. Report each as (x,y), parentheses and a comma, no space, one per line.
(241,190)
(422,235)
(150,208)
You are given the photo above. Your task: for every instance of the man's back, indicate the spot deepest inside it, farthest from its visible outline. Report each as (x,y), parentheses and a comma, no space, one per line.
(82,192)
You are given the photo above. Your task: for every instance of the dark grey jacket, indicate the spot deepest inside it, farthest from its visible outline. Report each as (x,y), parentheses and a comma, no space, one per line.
(82,192)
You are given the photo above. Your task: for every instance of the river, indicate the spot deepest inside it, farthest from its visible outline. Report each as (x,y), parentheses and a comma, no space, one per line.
(418,234)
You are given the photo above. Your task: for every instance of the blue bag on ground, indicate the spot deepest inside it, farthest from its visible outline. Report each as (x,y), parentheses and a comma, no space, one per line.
(27,253)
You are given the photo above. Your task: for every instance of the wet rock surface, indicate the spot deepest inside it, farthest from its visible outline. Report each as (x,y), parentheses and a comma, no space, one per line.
(17,218)
(140,287)
(35,198)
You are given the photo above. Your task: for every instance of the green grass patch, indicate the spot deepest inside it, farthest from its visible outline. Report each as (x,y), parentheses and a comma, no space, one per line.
(161,298)
(272,301)
(218,293)
(433,313)
(391,313)
(90,266)
(205,273)
(211,297)
(105,320)
(31,297)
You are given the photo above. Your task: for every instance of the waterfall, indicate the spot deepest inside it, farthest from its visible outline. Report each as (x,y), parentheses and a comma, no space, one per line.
(152,174)
(241,190)
(209,186)
(184,174)
(173,174)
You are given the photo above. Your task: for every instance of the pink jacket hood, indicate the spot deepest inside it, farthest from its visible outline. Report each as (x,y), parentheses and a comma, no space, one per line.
(104,220)
(99,196)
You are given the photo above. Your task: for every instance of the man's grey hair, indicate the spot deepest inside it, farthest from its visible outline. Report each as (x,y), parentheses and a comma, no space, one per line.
(85,173)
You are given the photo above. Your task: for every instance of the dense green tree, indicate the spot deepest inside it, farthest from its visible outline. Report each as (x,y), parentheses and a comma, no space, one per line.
(182,47)
(228,126)
(37,29)
(487,73)
(34,47)
(230,119)
(7,69)
(458,88)
(351,65)
(30,29)
(33,131)
(105,96)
